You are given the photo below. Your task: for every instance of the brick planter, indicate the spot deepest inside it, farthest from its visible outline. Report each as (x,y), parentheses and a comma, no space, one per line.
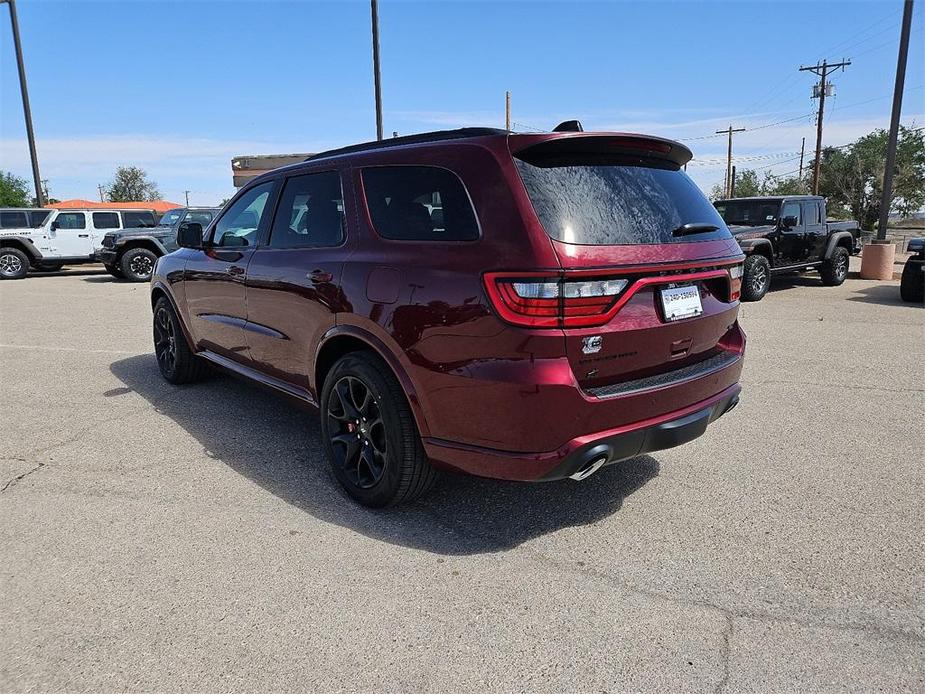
(877,260)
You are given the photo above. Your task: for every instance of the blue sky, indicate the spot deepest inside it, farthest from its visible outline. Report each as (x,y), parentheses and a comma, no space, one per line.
(180,88)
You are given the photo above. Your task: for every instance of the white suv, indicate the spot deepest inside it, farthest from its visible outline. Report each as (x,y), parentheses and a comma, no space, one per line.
(67,237)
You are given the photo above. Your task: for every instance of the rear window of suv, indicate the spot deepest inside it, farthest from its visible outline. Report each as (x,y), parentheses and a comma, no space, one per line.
(611,200)
(419,203)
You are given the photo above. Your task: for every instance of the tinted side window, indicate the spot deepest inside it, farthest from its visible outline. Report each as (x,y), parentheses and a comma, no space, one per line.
(39,217)
(106,220)
(792,209)
(238,226)
(419,203)
(71,220)
(199,216)
(138,219)
(310,212)
(811,212)
(12,220)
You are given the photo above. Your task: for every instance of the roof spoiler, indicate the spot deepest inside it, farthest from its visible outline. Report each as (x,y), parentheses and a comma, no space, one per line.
(572,143)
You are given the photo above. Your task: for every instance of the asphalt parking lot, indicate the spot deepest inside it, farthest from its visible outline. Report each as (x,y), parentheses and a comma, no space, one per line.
(156,538)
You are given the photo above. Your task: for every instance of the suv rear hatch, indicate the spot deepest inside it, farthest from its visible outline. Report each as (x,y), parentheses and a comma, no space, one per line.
(649,274)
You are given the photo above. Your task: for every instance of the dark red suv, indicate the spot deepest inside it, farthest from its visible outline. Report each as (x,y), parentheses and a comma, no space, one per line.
(526,307)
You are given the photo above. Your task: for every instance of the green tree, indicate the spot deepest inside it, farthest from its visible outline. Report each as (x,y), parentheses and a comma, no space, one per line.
(784,185)
(131,184)
(852,176)
(717,192)
(14,191)
(747,185)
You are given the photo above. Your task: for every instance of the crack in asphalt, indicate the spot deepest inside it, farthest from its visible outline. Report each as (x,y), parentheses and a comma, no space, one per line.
(729,615)
(16,479)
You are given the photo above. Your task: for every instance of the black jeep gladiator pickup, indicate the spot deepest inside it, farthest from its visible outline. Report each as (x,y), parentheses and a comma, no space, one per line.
(788,234)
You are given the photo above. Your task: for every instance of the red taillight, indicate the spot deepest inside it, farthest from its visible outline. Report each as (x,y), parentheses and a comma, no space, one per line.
(735,282)
(553,300)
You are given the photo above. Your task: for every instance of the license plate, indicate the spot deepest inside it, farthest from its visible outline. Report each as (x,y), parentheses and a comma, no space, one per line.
(681,302)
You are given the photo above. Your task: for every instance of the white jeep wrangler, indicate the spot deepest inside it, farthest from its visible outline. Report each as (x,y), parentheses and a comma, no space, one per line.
(67,237)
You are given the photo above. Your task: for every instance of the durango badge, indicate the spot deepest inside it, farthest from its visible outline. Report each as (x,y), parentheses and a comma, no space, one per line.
(592,344)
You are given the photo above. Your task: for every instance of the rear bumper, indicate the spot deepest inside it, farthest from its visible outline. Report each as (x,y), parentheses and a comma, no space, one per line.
(613,445)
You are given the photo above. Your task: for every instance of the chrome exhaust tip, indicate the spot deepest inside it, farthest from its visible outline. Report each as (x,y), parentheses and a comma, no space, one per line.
(590,468)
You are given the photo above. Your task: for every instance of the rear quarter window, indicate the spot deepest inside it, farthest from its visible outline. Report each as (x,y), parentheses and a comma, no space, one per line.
(13,220)
(105,220)
(593,200)
(419,203)
(138,219)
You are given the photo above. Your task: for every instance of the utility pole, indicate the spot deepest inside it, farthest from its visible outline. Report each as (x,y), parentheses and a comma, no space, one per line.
(374,9)
(894,121)
(507,110)
(822,71)
(732,187)
(186,193)
(99,187)
(728,185)
(802,150)
(45,189)
(27,110)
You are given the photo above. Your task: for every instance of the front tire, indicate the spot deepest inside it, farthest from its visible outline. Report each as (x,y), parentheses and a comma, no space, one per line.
(175,359)
(137,264)
(114,271)
(756,278)
(912,284)
(369,433)
(14,264)
(834,271)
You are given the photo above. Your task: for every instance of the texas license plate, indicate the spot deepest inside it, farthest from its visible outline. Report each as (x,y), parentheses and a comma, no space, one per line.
(681,302)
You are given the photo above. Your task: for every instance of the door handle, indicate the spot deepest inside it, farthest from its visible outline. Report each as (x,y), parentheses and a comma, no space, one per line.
(319,276)
(235,270)
(83,236)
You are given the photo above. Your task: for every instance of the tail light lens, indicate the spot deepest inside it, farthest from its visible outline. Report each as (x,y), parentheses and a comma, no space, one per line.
(551,300)
(735,281)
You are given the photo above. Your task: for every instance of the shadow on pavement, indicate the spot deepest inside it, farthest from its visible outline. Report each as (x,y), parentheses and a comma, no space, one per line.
(277,444)
(884,294)
(104,277)
(780,282)
(88,275)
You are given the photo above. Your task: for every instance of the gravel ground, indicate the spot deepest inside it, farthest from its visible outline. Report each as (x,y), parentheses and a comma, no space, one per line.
(156,538)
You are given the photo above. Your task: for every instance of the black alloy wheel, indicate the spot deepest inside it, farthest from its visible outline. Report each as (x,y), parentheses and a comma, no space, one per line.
(357,432)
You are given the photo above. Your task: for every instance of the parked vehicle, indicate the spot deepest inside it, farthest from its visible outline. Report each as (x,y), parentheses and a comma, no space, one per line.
(788,234)
(912,284)
(66,237)
(21,217)
(132,253)
(524,307)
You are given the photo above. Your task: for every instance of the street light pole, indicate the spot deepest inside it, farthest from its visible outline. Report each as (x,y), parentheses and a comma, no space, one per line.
(374,9)
(894,121)
(27,111)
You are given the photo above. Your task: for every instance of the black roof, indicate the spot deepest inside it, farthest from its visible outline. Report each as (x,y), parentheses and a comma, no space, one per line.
(436,136)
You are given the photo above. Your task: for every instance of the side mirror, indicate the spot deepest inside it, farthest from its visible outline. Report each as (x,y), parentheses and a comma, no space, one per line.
(54,226)
(189,235)
(789,221)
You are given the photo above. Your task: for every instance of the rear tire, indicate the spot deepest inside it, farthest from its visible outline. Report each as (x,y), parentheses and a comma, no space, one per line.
(834,271)
(756,278)
(912,284)
(369,433)
(175,359)
(14,264)
(137,264)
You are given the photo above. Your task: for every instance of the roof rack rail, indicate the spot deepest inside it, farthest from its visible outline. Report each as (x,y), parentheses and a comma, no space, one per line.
(436,136)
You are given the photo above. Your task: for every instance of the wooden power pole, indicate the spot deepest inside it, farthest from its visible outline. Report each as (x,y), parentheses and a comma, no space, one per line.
(802,150)
(887,194)
(822,70)
(507,110)
(727,188)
